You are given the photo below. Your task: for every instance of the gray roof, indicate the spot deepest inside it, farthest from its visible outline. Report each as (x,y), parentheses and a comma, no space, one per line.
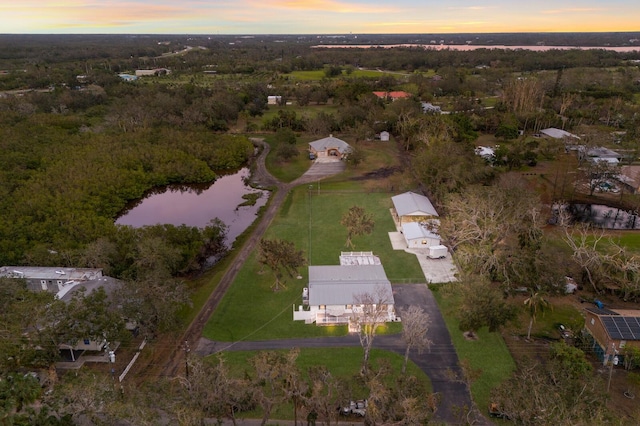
(329,143)
(50,273)
(340,284)
(414,230)
(552,132)
(603,152)
(412,204)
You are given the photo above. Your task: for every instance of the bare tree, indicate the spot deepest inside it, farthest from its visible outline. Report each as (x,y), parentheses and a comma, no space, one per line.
(415,325)
(584,243)
(357,222)
(371,310)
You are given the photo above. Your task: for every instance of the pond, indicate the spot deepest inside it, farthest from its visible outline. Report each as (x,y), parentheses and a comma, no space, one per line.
(606,217)
(196,205)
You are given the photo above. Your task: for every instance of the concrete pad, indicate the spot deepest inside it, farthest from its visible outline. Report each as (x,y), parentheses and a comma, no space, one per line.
(435,270)
(397,241)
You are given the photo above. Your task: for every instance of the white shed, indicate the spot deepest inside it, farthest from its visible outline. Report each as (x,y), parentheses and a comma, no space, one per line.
(384,136)
(418,235)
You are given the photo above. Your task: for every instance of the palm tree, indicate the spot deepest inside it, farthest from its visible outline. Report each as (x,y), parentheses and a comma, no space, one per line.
(535,304)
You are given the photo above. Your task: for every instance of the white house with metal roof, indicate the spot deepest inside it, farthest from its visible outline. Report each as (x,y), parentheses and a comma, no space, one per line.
(51,279)
(329,148)
(412,207)
(335,292)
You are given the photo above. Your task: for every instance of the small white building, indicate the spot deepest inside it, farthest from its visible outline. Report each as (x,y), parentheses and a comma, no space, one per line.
(274,100)
(420,235)
(334,294)
(384,136)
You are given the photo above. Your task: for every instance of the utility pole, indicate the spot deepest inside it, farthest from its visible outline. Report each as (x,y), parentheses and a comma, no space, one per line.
(612,361)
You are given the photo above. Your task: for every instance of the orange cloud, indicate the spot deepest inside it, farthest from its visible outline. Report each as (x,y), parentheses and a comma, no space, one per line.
(322,5)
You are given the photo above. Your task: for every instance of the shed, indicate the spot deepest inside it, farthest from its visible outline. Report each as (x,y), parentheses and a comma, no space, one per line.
(384,136)
(419,235)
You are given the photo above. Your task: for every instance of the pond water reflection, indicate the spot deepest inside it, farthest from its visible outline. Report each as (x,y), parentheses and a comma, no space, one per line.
(605,216)
(196,205)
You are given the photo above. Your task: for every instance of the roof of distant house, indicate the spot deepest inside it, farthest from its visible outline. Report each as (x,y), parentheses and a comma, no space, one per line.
(330,142)
(412,204)
(552,132)
(392,95)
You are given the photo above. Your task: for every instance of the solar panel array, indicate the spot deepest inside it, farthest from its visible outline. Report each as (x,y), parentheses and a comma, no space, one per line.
(622,328)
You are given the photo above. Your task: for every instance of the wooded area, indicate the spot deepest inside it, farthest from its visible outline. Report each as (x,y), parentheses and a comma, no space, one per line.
(79,144)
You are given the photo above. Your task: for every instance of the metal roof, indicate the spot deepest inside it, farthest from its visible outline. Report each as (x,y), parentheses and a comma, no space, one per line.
(330,142)
(342,284)
(415,230)
(412,204)
(558,133)
(50,273)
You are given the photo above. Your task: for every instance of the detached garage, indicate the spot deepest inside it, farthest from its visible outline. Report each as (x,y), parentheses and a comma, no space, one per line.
(418,235)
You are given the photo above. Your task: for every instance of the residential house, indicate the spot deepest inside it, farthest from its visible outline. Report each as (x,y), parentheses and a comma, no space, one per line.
(64,283)
(612,330)
(329,148)
(600,154)
(334,294)
(411,207)
(51,279)
(429,108)
(392,96)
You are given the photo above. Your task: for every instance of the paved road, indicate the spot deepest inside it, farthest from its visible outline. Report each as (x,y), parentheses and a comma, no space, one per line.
(440,363)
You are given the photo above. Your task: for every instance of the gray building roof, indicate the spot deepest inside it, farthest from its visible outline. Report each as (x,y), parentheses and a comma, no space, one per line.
(414,230)
(552,132)
(412,204)
(341,284)
(50,273)
(329,143)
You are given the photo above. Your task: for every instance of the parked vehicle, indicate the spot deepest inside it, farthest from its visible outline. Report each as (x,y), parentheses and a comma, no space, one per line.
(358,408)
(437,252)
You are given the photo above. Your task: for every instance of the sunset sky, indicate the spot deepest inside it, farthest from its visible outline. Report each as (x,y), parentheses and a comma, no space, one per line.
(316,16)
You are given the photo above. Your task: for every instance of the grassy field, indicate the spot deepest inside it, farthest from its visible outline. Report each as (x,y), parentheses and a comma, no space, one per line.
(251,310)
(343,363)
(488,354)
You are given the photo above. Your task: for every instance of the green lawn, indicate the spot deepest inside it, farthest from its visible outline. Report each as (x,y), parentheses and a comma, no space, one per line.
(251,310)
(488,353)
(343,363)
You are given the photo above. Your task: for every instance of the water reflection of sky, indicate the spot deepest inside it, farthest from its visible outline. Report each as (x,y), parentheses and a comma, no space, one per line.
(605,216)
(177,206)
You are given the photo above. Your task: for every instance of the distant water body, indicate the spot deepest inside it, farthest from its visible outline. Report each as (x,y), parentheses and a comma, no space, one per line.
(470,47)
